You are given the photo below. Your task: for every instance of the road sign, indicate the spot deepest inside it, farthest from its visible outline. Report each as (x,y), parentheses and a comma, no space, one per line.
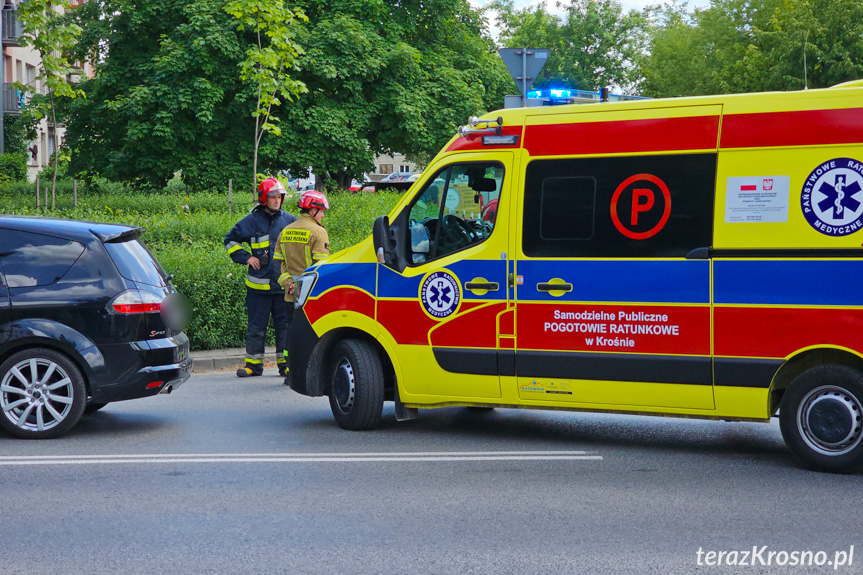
(524,64)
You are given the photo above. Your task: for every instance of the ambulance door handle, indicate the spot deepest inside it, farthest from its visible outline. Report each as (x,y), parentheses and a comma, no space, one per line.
(487,286)
(550,287)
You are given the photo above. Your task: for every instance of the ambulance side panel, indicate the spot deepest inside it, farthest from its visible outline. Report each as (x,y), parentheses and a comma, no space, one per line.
(614,199)
(787,265)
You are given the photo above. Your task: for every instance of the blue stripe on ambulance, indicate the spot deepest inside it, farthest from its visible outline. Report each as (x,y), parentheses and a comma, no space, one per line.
(359,275)
(395,285)
(788,282)
(655,281)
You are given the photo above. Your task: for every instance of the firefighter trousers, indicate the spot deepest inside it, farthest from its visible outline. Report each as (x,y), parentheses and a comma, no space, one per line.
(260,307)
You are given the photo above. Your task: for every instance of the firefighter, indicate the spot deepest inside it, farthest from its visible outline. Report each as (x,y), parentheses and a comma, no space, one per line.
(302,244)
(264,296)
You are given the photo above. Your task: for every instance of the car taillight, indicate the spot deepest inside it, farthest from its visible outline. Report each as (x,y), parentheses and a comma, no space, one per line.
(137,301)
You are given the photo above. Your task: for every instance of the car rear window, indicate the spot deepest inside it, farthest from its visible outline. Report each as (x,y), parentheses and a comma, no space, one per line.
(35,259)
(136,263)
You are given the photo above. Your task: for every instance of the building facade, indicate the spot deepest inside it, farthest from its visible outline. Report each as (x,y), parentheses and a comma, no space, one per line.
(21,65)
(385,165)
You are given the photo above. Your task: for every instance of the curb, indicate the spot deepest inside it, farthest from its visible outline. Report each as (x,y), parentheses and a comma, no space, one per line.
(216,359)
(214,363)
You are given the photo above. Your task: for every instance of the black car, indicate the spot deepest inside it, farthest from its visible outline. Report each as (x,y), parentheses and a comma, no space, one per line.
(82,323)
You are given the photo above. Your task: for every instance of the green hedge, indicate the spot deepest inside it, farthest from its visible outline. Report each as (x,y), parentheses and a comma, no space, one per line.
(186,234)
(13,167)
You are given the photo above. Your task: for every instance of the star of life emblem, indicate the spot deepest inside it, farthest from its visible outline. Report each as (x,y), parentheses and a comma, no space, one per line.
(440,294)
(831,199)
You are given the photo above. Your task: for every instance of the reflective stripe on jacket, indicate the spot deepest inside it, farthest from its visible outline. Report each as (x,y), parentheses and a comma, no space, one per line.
(301,244)
(257,229)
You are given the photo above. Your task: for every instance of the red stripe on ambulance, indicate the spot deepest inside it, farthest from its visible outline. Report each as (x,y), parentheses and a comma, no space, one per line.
(683,330)
(406,321)
(475,329)
(779,332)
(655,135)
(806,128)
(340,299)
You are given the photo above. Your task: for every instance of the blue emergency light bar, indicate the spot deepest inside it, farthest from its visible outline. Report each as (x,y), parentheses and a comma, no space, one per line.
(576,96)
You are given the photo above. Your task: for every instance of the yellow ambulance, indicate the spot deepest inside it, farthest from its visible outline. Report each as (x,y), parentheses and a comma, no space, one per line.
(694,257)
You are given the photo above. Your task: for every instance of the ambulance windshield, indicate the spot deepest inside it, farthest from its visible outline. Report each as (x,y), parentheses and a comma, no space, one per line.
(456,208)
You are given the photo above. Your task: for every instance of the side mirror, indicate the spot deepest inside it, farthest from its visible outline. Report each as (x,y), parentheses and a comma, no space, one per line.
(383,241)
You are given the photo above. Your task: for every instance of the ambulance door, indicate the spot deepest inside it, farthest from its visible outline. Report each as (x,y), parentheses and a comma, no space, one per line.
(611,309)
(442,309)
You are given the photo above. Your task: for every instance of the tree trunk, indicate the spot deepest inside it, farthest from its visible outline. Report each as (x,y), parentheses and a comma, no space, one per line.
(56,152)
(255,156)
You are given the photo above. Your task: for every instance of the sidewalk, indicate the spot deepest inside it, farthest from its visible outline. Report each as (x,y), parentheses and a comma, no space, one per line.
(212,359)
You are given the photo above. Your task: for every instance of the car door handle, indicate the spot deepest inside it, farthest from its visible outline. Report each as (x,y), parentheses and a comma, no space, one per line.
(550,287)
(487,286)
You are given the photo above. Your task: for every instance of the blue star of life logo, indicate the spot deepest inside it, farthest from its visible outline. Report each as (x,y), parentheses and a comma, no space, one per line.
(831,199)
(440,294)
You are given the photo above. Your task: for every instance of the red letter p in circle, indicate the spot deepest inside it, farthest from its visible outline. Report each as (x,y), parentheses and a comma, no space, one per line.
(637,206)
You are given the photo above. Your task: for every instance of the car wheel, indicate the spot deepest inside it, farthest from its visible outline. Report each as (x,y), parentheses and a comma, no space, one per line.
(93,407)
(356,385)
(821,418)
(42,394)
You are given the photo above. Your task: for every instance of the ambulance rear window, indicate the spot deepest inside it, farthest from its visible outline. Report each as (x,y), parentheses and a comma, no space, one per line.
(633,207)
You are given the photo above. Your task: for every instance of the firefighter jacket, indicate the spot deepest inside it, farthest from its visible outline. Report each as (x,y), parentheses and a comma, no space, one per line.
(301,244)
(260,230)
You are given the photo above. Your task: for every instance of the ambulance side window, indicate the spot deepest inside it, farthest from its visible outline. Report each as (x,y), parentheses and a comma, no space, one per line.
(456,209)
(632,207)
(577,221)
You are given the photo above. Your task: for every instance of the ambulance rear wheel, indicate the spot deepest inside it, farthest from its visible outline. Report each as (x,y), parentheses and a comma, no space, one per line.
(356,385)
(821,418)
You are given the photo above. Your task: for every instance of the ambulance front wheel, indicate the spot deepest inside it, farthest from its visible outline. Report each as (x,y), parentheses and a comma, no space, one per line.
(356,385)
(821,418)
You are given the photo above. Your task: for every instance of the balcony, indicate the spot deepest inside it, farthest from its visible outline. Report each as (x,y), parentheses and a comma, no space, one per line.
(13,99)
(11,28)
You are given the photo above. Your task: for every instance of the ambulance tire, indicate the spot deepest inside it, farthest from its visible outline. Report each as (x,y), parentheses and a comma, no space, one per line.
(821,418)
(356,385)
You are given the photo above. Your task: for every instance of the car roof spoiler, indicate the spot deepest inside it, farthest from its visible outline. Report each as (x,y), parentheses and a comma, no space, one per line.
(112,236)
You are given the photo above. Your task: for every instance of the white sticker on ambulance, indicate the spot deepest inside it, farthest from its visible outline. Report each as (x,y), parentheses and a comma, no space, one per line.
(757,199)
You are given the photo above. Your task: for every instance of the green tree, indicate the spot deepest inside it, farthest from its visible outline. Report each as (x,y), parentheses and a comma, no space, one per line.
(386,76)
(755,45)
(166,96)
(269,59)
(593,43)
(52,36)
(381,75)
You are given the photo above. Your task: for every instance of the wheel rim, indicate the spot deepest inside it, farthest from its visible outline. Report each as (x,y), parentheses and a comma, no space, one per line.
(829,420)
(36,394)
(344,386)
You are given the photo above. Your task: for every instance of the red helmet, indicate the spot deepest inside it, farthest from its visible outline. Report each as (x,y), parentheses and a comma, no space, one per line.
(489,212)
(270,186)
(313,199)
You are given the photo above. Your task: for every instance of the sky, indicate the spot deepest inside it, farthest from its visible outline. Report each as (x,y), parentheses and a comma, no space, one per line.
(627,6)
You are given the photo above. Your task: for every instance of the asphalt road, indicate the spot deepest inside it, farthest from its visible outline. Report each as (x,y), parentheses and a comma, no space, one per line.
(229,476)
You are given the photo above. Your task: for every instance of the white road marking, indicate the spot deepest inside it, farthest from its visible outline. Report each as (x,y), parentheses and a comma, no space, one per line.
(299,457)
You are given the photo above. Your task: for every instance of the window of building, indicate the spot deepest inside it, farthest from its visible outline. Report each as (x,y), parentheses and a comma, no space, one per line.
(386,169)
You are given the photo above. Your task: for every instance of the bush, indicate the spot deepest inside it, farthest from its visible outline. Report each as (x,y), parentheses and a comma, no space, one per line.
(186,235)
(13,167)
(217,289)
